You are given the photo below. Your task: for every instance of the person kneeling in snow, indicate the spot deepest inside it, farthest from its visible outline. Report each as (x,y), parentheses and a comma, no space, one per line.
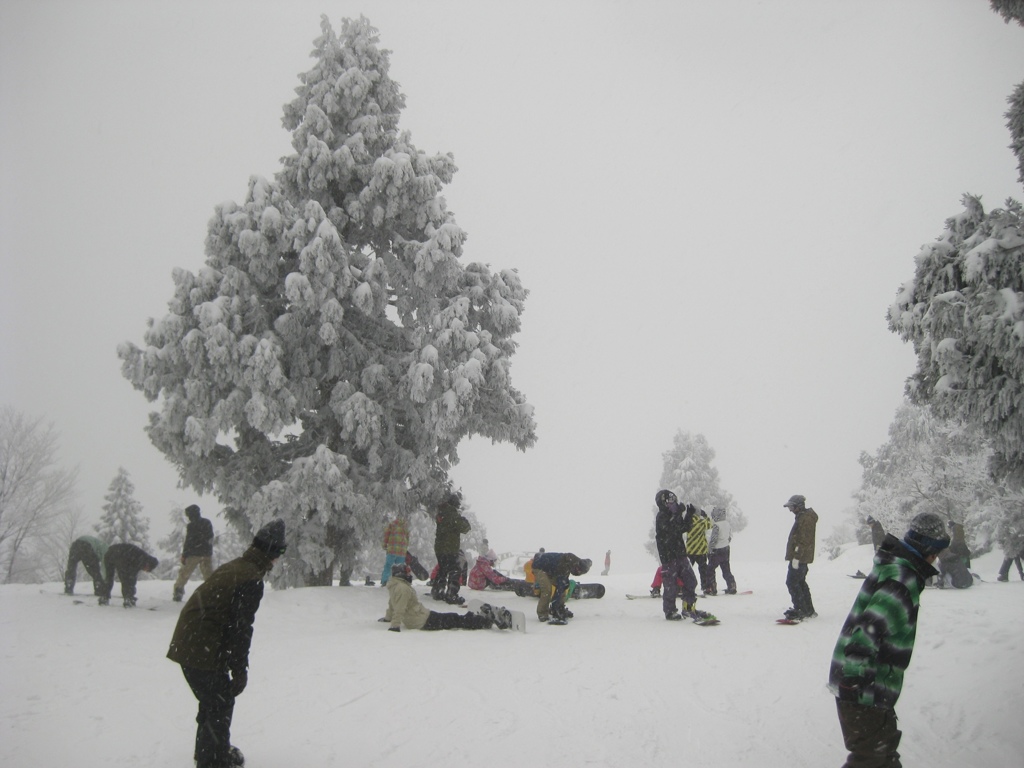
(404,607)
(483,573)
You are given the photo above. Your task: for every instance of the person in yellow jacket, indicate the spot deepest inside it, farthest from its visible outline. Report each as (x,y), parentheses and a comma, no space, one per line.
(697,548)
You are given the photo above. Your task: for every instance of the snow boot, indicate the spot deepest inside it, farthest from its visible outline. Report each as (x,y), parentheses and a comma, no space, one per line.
(235,757)
(673,616)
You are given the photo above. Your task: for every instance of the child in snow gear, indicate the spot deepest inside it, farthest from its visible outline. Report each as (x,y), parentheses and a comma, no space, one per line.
(877,640)
(483,573)
(551,571)
(450,527)
(89,551)
(396,546)
(404,607)
(212,637)
(196,551)
(124,561)
(670,526)
(800,554)
(718,548)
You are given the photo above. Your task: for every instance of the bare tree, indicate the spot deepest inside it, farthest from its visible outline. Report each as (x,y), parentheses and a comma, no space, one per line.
(33,490)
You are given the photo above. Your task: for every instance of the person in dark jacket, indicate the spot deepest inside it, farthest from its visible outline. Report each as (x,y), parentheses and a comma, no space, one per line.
(955,562)
(196,551)
(800,554)
(211,642)
(877,640)
(447,542)
(123,561)
(89,551)
(551,573)
(671,525)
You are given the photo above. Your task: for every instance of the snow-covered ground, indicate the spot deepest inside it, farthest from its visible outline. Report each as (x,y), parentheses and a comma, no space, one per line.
(619,686)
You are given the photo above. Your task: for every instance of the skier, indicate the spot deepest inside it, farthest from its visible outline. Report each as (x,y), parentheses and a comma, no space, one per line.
(89,551)
(124,561)
(607,563)
(197,550)
(450,527)
(670,526)
(799,554)
(718,546)
(404,607)
(877,640)
(697,547)
(211,642)
(396,546)
(551,571)
(483,573)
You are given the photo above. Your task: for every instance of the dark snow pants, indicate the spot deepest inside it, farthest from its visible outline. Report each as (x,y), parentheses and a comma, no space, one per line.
(446,583)
(870,735)
(796,581)
(671,573)
(213,723)
(455,621)
(719,558)
(81,552)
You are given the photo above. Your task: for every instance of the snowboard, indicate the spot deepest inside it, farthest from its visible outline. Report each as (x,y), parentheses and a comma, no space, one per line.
(587,591)
(144,607)
(418,570)
(517,618)
(642,597)
(787,621)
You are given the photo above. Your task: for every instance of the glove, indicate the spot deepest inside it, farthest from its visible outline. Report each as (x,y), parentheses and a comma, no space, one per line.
(394,629)
(238,682)
(383,619)
(794,563)
(690,509)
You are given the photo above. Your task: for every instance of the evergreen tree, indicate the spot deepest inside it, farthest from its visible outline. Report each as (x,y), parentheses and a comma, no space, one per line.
(687,471)
(326,362)
(964,313)
(122,519)
(935,465)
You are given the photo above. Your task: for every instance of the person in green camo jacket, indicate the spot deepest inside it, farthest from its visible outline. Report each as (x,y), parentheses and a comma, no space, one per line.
(877,640)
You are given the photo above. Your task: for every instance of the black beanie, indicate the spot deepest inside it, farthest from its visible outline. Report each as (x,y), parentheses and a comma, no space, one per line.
(927,534)
(270,539)
(192,512)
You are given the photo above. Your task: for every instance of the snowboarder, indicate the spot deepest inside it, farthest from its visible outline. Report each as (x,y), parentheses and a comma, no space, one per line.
(396,546)
(551,571)
(1011,555)
(89,551)
(404,607)
(670,527)
(800,554)
(124,561)
(450,527)
(197,550)
(955,562)
(697,547)
(483,573)
(877,640)
(877,532)
(607,563)
(211,642)
(718,547)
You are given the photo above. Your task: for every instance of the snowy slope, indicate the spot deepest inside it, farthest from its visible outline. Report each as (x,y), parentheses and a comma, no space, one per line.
(89,687)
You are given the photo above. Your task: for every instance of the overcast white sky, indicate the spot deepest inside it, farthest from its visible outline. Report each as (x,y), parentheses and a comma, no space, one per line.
(712,204)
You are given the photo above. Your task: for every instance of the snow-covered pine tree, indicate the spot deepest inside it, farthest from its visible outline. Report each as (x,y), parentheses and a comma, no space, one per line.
(935,465)
(688,472)
(122,519)
(326,362)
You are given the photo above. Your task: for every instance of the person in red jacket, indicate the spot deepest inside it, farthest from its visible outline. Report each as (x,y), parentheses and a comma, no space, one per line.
(483,573)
